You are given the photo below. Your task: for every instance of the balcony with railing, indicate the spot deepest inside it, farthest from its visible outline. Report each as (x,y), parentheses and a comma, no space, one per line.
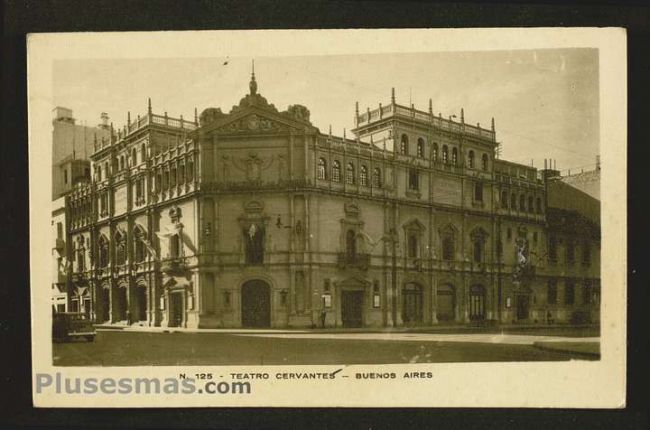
(174,265)
(395,110)
(142,122)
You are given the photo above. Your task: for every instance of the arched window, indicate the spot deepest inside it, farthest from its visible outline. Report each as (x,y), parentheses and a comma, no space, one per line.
(322,169)
(363,176)
(504,199)
(484,162)
(448,247)
(120,249)
(470,159)
(478,251)
(454,156)
(412,245)
(539,205)
(139,245)
(420,147)
(174,246)
(522,203)
(172,177)
(143,152)
(445,154)
(478,237)
(434,152)
(351,243)
(513,202)
(376,177)
(531,207)
(165,182)
(158,181)
(349,174)
(404,145)
(134,156)
(336,171)
(190,171)
(181,174)
(103,251)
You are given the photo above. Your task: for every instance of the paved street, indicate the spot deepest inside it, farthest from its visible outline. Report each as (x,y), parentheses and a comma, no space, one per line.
(137,348)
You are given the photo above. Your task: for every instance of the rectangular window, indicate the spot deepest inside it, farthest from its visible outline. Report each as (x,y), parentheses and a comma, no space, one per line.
(551,294)
(65,176)
(414,180)
(190,171)
(569,292)
(552,248)
(59,230)
(587,293)
(478,251)
(181,174)
(570,252)
(586,254)
(174,246)
(412,246)
(448,248)
(478,192)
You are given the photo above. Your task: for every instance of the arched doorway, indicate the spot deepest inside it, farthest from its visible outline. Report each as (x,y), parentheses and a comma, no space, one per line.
(477,303)
(412,303)
(106,304)
(141,300)
(121,303)
(255,304)
(446,301)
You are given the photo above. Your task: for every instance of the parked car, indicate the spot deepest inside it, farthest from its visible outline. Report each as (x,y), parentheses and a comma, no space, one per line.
(70,325)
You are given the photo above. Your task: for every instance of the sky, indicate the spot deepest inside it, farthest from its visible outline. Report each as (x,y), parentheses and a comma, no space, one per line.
(545,102)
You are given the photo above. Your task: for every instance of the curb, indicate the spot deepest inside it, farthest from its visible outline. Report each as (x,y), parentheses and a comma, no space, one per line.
(558,347)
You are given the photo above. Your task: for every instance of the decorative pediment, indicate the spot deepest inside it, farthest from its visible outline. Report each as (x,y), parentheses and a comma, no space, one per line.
(253,122)
(478,233)
(448,228)
(414,224)
(354,281)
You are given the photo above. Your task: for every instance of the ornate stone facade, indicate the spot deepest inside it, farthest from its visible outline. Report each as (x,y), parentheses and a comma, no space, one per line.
(256,218)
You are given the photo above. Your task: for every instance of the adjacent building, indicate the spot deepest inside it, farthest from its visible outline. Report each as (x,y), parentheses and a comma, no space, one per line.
(256,218)
(72,145)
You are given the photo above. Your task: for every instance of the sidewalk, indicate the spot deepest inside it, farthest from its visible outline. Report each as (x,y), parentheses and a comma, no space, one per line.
(551,330)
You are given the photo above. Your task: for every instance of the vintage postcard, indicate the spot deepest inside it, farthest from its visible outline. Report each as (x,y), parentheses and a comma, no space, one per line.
(329,218)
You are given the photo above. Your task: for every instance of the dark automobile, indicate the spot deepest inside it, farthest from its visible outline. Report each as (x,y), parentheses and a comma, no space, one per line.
(69,325)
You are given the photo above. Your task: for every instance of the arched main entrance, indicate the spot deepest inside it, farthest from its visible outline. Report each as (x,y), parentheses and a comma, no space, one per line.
(445,303)
(255,304)
(412,303)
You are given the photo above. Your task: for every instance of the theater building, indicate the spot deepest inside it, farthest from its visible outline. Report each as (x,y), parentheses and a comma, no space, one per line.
(255,218)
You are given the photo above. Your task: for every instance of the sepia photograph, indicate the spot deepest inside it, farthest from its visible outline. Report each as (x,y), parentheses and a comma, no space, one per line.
(329,209)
